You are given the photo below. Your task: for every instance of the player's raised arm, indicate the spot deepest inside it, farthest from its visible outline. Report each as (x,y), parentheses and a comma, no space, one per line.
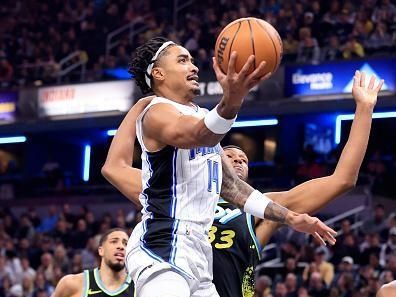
(238,192)
(165,123)
(118,168)
(315,194)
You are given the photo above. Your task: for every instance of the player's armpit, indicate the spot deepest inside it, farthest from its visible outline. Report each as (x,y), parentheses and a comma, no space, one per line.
(164,124)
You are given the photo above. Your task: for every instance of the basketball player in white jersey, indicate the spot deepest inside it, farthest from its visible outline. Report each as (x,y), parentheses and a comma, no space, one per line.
(184,171)
(307,197)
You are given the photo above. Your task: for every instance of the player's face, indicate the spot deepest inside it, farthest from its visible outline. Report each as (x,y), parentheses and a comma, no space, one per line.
(179,72)
(112,251)
(239,161)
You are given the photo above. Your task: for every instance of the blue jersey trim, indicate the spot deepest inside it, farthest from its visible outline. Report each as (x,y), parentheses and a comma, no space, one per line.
(253,234)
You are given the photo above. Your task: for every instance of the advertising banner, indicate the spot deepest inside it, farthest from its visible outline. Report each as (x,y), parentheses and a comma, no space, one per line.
(336,78)
(85,98)
(8,101)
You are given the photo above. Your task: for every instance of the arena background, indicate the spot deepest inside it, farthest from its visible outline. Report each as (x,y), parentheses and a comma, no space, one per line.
(64,88)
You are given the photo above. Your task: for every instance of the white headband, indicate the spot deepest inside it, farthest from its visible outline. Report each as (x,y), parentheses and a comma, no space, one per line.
(150,66)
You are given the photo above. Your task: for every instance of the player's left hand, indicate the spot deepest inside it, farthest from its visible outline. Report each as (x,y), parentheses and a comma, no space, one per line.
(366,94)
(312,225)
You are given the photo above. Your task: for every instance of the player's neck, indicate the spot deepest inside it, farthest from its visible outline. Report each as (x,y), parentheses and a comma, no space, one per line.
(174,96)
(110,278)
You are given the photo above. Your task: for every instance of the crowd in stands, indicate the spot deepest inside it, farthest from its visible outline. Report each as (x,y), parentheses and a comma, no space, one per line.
(36,250)
(36,35)
(360,262)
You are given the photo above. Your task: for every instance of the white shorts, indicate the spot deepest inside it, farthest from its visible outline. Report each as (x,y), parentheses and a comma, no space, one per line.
(153,250)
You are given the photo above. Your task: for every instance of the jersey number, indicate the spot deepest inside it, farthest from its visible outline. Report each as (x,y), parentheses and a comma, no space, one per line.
(226,239)
(213,175)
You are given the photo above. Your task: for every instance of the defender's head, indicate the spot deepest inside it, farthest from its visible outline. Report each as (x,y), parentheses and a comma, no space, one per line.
(112,247)
(238,159)
(165,68)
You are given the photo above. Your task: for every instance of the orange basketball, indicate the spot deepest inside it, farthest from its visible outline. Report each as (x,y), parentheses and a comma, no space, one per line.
(249,36)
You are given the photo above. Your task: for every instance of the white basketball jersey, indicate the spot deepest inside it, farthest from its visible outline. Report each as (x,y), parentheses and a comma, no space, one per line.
(180,184)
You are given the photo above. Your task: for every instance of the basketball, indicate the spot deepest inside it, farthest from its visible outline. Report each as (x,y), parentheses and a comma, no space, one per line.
(249,36)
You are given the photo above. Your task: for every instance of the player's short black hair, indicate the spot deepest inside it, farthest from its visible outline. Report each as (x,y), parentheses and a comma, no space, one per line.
(232,146)
(108,232)
(141,59)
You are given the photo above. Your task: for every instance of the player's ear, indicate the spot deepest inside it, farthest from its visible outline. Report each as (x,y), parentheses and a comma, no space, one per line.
(100,251)
(158,73)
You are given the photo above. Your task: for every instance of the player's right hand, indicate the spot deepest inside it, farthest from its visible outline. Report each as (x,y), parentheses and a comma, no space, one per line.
(312,225)
(237,85)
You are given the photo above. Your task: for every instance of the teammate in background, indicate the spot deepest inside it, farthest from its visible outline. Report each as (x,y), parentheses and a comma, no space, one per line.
(110,279)
(183,171)
(233,235)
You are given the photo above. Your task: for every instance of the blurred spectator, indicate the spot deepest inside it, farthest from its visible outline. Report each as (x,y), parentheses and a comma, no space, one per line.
(263,286)
(49,222)
(47,266)
(389,247)
(291,285)
(325,269)
(386,11)
(345,284)
(89,254)
(308,48)
(5,270)
(42,286)
(79,237)
(332,51)
(371,245)
(26,228)
(290,48)
(317,287)
(353,48)
(6,70)
(380,38)
(377,222)
(280,290)
(27,271)
(61,259)
(27,286)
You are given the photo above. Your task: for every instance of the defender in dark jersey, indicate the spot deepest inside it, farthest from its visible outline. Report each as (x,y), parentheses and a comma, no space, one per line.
(233,239)
(110,279)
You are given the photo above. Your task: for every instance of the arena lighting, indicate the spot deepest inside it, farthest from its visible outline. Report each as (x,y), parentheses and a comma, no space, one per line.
(111,132)
(86,163)
(237,124)
(13,139)
(348,117)
(255,123)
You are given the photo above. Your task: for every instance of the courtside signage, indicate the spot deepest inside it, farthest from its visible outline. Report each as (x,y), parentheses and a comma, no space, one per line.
(85,98)
(335,78)
(8,102)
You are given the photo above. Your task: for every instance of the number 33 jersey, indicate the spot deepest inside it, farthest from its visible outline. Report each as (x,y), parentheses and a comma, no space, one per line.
(236,251)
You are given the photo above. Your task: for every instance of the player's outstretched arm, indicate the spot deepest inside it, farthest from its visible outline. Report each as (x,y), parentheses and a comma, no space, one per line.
(69,286)
(312,195)
(118,168)
(241,194)
(315,194)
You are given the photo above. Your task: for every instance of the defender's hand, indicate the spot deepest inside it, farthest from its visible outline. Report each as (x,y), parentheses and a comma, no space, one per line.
(365,94)
(311,225)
